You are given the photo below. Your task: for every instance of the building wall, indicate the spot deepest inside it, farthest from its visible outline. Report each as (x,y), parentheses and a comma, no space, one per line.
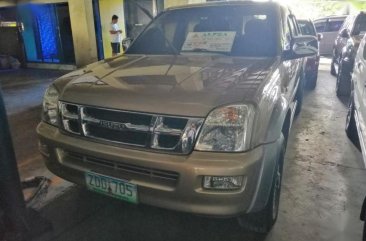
(174,3)
(107,9)
(6,3)
(82,23)
(83,31)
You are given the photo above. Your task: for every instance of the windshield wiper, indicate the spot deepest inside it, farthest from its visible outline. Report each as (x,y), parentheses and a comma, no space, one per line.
(203,50)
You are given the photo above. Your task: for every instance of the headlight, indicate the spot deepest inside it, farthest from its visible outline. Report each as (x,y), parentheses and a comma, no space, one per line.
(50,109)
(227,129)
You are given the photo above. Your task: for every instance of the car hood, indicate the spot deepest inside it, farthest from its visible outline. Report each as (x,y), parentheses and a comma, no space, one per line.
(174,85)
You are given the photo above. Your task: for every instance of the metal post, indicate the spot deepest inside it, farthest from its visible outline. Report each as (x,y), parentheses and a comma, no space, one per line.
(11,195)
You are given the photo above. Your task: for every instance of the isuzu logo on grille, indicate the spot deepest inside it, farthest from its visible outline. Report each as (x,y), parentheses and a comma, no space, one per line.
(112,125)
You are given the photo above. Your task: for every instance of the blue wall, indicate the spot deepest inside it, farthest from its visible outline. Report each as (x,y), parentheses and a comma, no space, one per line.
(40,32)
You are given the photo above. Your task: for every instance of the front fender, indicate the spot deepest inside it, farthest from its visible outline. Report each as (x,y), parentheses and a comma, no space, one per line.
(278,117)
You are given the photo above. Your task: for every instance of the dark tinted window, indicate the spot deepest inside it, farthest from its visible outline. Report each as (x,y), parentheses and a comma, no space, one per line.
(364,51)
(331,25)
(334,26)
(306,28)
(239,30)
(320,26)
(360,25)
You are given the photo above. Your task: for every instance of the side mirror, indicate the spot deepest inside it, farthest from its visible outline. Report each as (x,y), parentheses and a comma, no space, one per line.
(320,36)
(344,33)
(302,46)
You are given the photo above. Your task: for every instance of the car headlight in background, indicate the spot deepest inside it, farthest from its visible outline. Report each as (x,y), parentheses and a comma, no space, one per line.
(49,107)
(227,129)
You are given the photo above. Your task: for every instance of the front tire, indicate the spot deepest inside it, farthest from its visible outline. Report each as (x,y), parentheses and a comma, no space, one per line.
(263,221)
(332,68)
(311,81)
(343,86)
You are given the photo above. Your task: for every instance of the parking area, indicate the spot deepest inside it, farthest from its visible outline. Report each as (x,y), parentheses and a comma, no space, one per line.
(322,188)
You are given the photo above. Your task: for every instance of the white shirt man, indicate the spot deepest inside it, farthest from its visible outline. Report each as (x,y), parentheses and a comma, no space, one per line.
(116,36)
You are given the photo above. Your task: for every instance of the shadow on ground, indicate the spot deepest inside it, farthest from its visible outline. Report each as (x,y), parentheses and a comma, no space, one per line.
(92,217)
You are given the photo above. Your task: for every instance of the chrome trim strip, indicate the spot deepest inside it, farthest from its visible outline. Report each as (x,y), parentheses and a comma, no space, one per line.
(187,135)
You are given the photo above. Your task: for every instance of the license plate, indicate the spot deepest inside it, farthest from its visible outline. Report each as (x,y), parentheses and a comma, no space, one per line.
(110,186)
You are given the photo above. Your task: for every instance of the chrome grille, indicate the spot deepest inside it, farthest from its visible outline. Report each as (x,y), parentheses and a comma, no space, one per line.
(165,133)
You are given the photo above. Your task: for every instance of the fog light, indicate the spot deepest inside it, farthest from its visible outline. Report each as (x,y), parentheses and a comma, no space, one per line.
(223,183)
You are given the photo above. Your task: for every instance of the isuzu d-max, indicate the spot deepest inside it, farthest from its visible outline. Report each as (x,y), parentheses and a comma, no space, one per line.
(194,116)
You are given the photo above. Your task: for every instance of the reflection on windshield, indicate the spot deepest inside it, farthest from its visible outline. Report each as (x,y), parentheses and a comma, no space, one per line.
(230,30)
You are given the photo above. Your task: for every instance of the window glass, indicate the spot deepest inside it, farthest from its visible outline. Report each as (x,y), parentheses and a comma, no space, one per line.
(360,25)
(230,30)
(364,51)
(320,26)
(307,28)
(334,26)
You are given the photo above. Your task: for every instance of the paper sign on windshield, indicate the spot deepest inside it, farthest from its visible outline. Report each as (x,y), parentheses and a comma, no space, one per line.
(209,41)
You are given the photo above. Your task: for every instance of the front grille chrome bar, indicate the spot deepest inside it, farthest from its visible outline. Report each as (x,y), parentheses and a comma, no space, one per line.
(150,131)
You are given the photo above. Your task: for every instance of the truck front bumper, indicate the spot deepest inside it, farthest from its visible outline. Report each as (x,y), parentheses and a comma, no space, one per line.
(65,156)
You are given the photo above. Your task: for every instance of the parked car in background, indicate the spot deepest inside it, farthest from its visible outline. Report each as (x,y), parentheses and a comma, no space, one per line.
(356,117)
(328,27)
(194,116)
(345,50)
(312,63)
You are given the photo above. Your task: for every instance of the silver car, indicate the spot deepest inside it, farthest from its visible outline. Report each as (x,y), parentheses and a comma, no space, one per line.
(328,27)
(355,122)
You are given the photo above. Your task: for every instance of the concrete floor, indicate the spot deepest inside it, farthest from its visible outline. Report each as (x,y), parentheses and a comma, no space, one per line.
(323,187)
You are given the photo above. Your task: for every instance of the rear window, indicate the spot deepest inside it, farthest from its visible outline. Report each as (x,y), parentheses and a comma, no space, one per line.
(332,25)
(236,30)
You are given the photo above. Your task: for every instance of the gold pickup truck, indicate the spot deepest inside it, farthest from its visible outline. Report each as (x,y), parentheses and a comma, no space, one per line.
(194,116)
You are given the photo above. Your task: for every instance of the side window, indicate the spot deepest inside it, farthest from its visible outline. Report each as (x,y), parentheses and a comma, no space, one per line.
(320,26)
(334,26)
(364,51)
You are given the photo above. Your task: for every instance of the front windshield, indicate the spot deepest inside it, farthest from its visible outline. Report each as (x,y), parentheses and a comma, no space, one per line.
(235,30)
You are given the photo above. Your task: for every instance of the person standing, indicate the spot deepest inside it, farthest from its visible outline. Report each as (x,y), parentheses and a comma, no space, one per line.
(116,36)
